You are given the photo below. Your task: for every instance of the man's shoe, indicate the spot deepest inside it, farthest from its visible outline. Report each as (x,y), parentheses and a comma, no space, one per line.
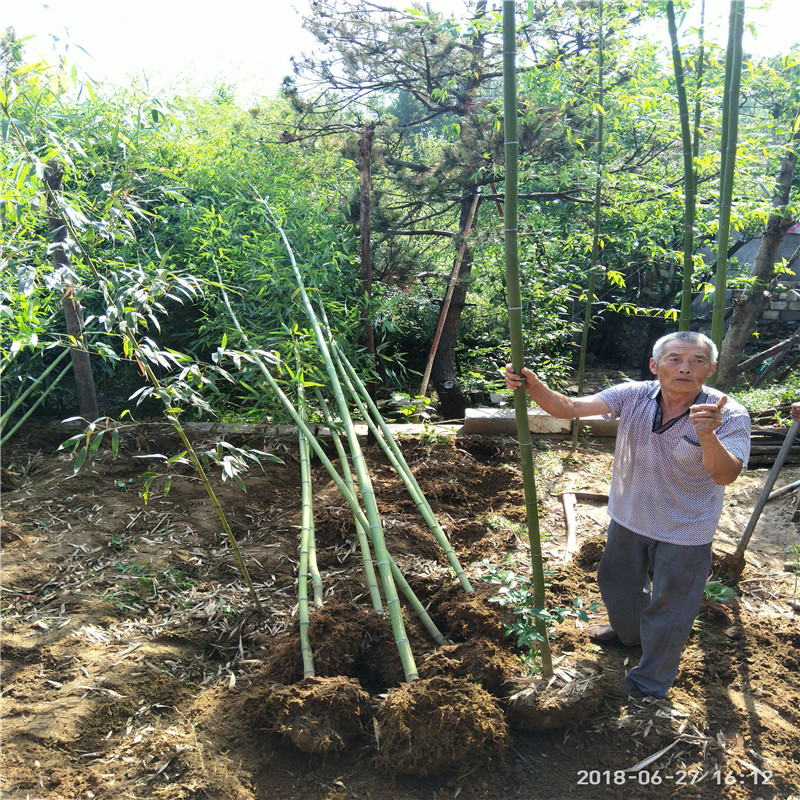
(605,634)
(626,689)
(631,689)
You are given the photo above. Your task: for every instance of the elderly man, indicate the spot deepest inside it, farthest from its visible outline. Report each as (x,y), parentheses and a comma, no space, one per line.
(679,443)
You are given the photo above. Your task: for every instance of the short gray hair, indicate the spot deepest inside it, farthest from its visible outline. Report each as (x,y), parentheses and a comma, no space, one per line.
(686,336)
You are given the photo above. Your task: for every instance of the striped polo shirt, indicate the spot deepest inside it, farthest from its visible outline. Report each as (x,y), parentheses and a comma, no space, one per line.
(659,486)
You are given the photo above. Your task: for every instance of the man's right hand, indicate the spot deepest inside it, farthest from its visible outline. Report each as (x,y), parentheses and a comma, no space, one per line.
(554,403)
(514,380)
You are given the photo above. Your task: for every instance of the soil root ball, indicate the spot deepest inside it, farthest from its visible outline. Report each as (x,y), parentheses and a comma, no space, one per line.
(319,715)
(480,661)
(347,640)
(563,701)
(464,616)
(434,725)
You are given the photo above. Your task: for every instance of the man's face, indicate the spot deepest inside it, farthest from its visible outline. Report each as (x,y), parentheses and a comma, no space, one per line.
(683,367)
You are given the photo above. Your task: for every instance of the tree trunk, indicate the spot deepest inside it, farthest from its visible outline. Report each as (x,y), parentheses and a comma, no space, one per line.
(452,400)
(365,208)
(73,313)
(749,305)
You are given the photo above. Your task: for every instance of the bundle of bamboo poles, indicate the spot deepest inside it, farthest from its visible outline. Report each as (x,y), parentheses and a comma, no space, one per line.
(352,479)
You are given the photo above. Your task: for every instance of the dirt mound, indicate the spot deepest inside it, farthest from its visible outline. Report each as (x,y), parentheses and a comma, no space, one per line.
(439,724)
(480,661)
(319,715)
(346,639)
(570,697)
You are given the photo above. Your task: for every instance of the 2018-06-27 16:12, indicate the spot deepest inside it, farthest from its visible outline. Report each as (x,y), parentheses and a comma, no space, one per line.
(596,777)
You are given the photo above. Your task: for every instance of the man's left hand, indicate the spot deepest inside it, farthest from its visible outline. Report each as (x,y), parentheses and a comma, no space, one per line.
(707,417)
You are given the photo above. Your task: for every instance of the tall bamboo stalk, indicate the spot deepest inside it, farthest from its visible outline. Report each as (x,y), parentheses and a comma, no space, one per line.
(362,474)
(598,193)
(684,319)
(730,130)
(515,321)
(701,66)
(306,539)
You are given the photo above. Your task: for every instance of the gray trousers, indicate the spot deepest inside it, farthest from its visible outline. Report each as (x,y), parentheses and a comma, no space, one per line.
(652,591)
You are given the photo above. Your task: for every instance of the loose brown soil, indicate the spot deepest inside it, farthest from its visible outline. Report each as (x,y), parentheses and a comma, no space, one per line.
(134,664)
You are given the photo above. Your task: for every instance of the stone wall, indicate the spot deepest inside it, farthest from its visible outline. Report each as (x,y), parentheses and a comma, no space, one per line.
(784,306)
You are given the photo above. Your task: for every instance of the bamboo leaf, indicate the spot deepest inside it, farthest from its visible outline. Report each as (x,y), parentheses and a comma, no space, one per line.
(80,459)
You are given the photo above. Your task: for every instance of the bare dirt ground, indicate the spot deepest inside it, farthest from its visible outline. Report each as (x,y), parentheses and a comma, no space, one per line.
(135,666)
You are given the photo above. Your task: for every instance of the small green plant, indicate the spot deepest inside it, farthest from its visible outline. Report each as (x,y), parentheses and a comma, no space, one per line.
(430,435)
(122,599)
(778,394)
(497,522)
(516,595)
(718,592)
(408,408)
(177,578)
(119,542)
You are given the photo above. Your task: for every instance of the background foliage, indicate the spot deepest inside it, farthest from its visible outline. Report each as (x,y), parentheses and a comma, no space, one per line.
(186,188)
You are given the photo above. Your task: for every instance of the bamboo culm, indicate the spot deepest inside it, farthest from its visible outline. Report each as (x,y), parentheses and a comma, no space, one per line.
(598,193)
(306,538)
(367,493)
(730,128)
(515,323)
(684,319)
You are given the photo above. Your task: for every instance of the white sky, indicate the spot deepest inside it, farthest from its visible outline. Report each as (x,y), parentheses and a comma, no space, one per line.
(248,42)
